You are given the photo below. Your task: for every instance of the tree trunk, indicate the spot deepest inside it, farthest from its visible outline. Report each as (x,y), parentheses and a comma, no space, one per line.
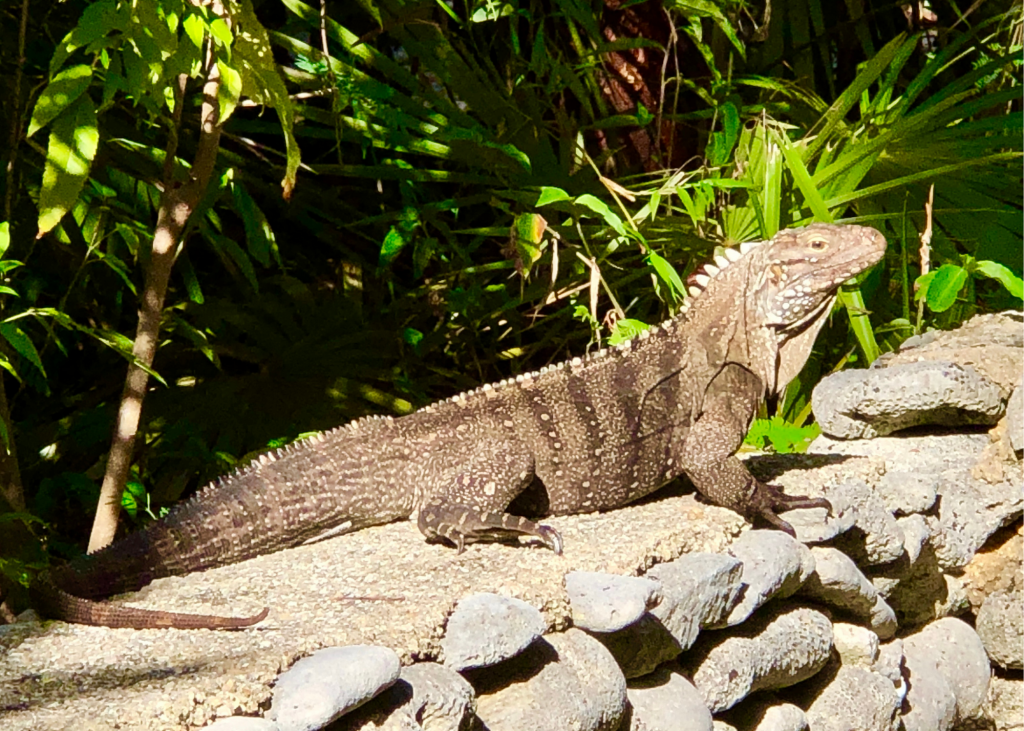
(176,206)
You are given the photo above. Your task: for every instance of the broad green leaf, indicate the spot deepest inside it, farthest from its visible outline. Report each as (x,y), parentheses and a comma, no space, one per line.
(22,344)
(69,155)
(550,194)
(601,208)
(667,273)
(219,29)
(626,329)
(261,81)
(59,94)
(994,270)
(5,237)
(394,242)
(195,29)
(230,90)
(941,287)
(528,234)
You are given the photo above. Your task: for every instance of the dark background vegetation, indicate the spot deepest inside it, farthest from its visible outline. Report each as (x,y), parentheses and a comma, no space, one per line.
(411,261)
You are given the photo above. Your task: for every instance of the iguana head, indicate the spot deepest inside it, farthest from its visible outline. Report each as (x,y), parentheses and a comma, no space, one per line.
(763,304)
(801,270)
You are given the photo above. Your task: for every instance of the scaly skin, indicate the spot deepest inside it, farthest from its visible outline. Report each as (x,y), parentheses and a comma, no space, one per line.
(592,433)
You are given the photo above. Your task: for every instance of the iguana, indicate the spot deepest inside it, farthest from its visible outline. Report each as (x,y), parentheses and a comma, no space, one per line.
(592,433)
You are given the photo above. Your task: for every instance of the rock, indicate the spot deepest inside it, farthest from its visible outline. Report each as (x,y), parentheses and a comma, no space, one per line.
(485,629)
(855,645)
(924,593)
(698,589)
(1004,706)
(427,695)
(998,566)
(1000,628)
(1015,419)
(905,492)
(329,683)
(767,653)
(958,654)
(861,404)
(565,681)
(889,664)
(783,717)
(241,723)
(991,344)
(606,602)
(659,701)
(774,564)
(915,535)
(969,512)
(856,700)
(876,538)
(838,582)
(703,589)
(930,703)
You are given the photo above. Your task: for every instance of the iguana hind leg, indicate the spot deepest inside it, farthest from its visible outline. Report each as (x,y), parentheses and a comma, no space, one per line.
(707,454)
(470,507)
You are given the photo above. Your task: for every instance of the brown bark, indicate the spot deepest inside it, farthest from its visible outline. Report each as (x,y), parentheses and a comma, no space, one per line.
(176,206)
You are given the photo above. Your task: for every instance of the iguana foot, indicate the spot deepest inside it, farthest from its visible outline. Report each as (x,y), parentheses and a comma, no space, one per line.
(769,500)
(462,524)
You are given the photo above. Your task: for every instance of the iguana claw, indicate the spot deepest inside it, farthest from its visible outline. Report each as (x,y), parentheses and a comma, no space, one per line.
(769,500)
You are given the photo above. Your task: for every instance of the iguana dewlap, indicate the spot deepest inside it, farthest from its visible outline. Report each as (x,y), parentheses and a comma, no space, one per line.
(592,433)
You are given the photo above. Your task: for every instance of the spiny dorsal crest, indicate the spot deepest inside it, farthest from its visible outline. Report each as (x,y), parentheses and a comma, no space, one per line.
(698,282)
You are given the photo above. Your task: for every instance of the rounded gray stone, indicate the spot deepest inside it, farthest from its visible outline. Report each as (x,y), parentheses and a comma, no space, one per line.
(663,700)
(563,681)
(1001,629)
(774,564)
(861,404)
(329,683)
(605,602)
(855,699)
(783,717)
(959,655)
(485,629)
(774,653)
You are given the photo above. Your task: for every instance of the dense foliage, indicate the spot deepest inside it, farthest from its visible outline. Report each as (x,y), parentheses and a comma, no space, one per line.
(485,186)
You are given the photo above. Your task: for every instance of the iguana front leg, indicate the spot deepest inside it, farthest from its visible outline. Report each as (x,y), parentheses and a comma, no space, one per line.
(707,454)
(470,506)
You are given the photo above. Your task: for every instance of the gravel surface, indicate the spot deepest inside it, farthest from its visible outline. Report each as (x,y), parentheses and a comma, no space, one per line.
(382,586)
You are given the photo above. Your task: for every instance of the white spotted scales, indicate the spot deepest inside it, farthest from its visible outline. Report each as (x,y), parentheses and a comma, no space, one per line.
(592,433)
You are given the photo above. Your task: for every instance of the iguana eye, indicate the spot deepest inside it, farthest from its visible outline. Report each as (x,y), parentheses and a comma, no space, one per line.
(818,244)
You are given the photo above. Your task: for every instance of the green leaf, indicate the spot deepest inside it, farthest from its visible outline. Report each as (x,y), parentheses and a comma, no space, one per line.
(219,29)
(394,242)
(601,208)
(262,82)
(69,155)
(58,95)
(5,237)
(22,344)
(667,274)
(626,329)
(528,234)
(941,287)
(549,194)
(230,90)
(256,226)
(994,270)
